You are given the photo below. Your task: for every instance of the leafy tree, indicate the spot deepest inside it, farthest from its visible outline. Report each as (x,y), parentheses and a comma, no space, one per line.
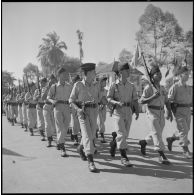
(125,56)
(159,34)
(7,80)
(51,51)
(31,71)
(71,64)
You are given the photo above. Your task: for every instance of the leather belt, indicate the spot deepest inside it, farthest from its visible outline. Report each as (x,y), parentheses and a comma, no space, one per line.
(62,102)
(91,105)
(32,105)
(156,107)
(13,104)
(183,105)
(41,104)
(48,103)
(126,104)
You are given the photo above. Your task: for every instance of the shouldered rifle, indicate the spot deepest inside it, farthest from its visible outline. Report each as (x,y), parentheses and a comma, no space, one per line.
(38,85)
(19,86)
(27,83)
(147,72)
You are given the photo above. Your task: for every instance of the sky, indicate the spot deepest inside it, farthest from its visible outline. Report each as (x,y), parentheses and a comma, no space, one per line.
(108,28)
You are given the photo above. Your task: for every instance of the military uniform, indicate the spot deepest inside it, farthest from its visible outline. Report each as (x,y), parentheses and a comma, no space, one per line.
(61,93)
(31,111)
(24,110)
(126,94)
(48,116)
(14,109)
(7,98)
(74,120)
(181,96)
(155,113)
(39,109)
(86,97)
(102,112)
(20,117)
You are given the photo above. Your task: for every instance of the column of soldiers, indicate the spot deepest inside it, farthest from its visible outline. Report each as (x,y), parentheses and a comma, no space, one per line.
(84,104)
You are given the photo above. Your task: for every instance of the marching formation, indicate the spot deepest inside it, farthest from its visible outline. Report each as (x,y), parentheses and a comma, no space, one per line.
(55,105)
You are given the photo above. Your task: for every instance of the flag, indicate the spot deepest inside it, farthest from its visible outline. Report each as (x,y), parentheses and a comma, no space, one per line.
(137,60)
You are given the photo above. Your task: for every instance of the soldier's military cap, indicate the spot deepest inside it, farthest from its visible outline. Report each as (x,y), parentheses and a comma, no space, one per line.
(181,70)
(154,69)
(123,66)
(43,80)
(88,66)
(61,70)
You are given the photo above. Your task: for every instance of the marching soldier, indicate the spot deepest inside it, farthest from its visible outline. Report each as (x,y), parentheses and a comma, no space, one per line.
(39,108)
(48,111)
(123,95)
(8,98)
(58,95)
(31,108)
(155,99)
(74,120)
(102,109)
(14,106)
(180,96)
(85,98)
(19,101)
(24,110)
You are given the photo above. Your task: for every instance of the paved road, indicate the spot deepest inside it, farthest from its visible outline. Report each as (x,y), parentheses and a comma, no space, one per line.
(30,167)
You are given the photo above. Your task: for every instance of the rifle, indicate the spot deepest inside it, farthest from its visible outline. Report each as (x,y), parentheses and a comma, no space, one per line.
(146,69)
(27,83)
(19,86)
(147,72)
(38,85)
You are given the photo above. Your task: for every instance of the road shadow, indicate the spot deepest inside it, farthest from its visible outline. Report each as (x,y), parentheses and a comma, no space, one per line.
(6,151)
(10,152)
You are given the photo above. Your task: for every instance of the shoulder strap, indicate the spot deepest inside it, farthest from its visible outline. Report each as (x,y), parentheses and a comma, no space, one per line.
(55,91)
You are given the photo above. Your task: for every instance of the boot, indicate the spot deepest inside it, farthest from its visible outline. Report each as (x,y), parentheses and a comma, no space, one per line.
(124,158)
(12,121)
(95,152)
(31,131)
(42,135)
(15,120)
(76,141)
(163,159)
(97,133)
(170,141)
(91,164)
(49,141)
(113,144)
(22,125)
(71,135)
(58,146)
(143,144)
(81,152)
(186,153)
(103,139)
(63,151)
(25,127)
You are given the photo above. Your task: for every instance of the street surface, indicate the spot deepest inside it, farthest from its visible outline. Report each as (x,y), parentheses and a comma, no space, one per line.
(28,166)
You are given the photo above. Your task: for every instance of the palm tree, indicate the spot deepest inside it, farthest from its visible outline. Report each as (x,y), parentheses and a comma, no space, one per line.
(50,51)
